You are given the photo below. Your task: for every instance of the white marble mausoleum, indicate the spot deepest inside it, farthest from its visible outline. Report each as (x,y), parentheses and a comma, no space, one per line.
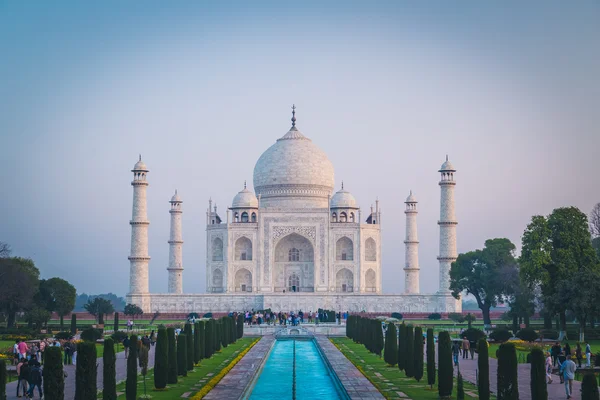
(293,244)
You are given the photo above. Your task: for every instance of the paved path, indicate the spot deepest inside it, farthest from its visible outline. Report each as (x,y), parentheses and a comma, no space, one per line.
(121,372)
(555,390)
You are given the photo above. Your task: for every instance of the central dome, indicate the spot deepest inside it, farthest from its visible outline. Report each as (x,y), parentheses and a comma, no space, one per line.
(294,172)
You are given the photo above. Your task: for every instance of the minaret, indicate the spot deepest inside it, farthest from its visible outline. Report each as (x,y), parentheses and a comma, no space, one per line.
(138,259)
(447,225)
(175,243)
(411,266)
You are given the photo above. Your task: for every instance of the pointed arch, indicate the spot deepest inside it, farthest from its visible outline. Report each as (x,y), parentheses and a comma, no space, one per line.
(243,249)
(344,249)
(217,249)
(370,250)
(344,280)
(370,281)
(243,280)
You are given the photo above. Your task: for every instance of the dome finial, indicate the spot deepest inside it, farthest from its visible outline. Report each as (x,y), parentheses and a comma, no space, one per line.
(140,157)
(342,185)
(446,157)
(244,184)
(293,115)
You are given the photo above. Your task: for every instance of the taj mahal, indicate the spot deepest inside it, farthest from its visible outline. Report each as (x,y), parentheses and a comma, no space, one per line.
(294,243)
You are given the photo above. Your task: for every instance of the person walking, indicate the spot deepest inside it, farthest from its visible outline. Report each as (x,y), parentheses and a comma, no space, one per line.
(126,346)
(568,370)
(466,345)
(588,355)
(549,367)
(567,349)
(578,354)
(35,379)
(455,352)
(23,377)
(22,349)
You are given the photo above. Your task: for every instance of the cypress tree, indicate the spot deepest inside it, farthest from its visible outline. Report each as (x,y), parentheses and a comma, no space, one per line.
(445,368)
(508,385)
(418,354)
(390,354)
(402,347)
(132,361)
(109,377)
(85,373)
(208,346)
(409,367)
(161,359)
(3,379)
(460,390)
(189,339)
(233,333)
(349,327)
(54,378)
(379,337)
(240,326)
(430,358)
(224,332)
(116,322)
(539,387)
(216,340)
(182,354)
(589,387)
(483,386)
(196,343)
(202,337)
(172,356)
(73,324)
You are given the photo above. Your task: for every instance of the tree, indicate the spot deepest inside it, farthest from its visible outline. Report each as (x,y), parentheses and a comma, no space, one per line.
(3,374)
(402,347)
(182,354)
(445,369)
(456,317)
(484,273)
(390,355)
(197,354)
(589,387)
(172,356)
(596,245)
(54,378)
(470,318)
(20,284)
(522,303)
(240,326)
(62,295)
(85,372)
(430,358)
(73,324)
(161,359)
(109,372)
(595,221)
(418,354)
(202,338)
(144,365)
(508,384)
(378,338)
(460,389)
(116,322)
(208,339)
(132,361)
(189,338)
(132,310)
(409,368)
(483,385)
(582,294)
(4,250)
(98,307)
(37,316)
(539,389)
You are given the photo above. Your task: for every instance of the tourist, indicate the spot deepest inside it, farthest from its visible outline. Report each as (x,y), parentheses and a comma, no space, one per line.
(67,351)
(568,370)
(35,379)
(455,352)
(23,349)
(567,349)
(146,341)
(578,354)
(555,352)
(16,354)
(549,367)
(74,355)
(41,352)
(588,355)
(126,345)
(561,360)
(152,338)
(268,318)
(466,345)
(22,376)
(472,347)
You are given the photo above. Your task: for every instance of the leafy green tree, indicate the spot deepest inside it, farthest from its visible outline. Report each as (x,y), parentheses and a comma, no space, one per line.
(172,372)
(4,250)
(539,389)
(20,284)
(133,310)
(485,274)
(189,339)
(430,358)
(132,362)
(418,354)
(109,371)
(402,347)
(98,307)
(409,368)
(86,371)
(73,324)
(589,387)
(390,354)
(483,384)
(62,295)
(470,318)
(582,294)
(445,369)
(508,384)
(37,316)
(182,354)
(161,359)
(54,378)
(522,303)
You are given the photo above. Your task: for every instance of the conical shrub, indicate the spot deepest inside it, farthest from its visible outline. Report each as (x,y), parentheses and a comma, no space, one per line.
(161,359)
(390,354)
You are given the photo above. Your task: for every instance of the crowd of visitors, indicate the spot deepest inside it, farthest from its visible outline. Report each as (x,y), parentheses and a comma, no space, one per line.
(289,318)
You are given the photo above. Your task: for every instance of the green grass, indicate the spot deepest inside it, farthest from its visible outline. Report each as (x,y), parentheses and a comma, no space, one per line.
(212,365)
(392,380)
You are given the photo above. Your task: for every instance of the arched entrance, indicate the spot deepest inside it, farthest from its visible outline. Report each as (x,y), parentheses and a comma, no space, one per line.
(243,280)
(344,280)
(294,264)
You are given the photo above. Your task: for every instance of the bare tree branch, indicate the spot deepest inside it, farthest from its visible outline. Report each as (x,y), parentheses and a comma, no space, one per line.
(4,250)
(595,221)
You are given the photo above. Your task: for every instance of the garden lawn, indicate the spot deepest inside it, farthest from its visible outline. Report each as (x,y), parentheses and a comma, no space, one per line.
(195,380)
(390,380)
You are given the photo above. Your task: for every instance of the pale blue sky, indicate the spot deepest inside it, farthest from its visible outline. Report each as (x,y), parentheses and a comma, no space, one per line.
(509,90)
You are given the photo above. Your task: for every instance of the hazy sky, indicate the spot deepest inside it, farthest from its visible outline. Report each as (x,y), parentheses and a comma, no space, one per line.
(510,91)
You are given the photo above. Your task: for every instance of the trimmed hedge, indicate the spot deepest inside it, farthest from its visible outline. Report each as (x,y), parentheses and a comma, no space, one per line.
(109,372)
(473,334)
(182,354)
(430,358)
(434,316)
(91,334)
(390,354)
(500,335)
(240,326)
(402,347)
(172,356)
(445,368)
(189,339)
(409,368)
(527,334)
(539,387)
(197,356)
(54,378)
(85,373)
(73,324)
(483,385)
(202,338)
(397,315)
(418,353)
(589,387)
(508,384)
(132,359)
(3,380)
(161,359)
